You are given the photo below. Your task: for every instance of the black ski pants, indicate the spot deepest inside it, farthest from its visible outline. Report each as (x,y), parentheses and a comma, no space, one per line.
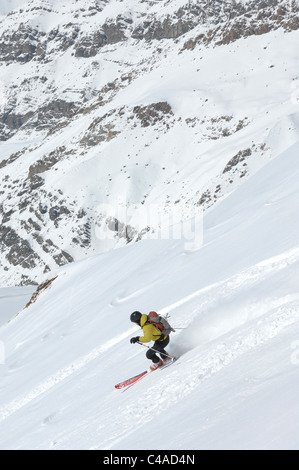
(160,347)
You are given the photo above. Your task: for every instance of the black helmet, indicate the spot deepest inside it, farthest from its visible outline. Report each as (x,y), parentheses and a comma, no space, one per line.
(135,317)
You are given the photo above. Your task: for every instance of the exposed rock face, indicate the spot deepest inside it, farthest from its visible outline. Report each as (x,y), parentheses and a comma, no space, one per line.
(22,45)
(247,19)
(41,288)
(167,29)
(224,22)
(48,216)
(11,122)
(20,252)
(153,113)
(110,33)
(240,157)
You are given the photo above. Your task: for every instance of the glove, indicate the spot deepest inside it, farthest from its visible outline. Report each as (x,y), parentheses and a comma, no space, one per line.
(134,340)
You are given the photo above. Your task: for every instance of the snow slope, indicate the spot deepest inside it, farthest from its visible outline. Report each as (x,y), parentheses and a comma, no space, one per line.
(235,384)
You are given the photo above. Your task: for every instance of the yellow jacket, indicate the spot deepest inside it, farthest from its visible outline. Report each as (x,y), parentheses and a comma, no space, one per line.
(150,332)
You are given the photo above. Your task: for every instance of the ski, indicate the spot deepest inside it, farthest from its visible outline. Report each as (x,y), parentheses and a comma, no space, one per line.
(131,381)
(168,363)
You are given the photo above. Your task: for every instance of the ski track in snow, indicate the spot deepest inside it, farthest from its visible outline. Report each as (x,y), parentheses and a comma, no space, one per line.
(276,315)
(169,389)
(211,363)
(279,313)
(61,375)
(247,277)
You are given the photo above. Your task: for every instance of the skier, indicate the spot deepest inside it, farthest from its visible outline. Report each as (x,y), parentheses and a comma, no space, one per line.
(151,333)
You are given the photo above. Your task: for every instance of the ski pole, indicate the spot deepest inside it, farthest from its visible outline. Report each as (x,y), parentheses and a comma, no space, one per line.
(159,352)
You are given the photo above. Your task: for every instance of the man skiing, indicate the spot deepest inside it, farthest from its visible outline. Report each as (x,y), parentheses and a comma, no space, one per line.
(151,333)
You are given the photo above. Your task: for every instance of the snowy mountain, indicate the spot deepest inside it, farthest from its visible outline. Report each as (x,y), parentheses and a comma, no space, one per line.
(149,161)
(109,104)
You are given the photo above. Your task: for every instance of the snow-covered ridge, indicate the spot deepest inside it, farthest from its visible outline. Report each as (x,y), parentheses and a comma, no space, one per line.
(166,103)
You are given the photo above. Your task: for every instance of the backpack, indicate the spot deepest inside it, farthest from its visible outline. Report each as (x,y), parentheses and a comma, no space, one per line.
(160,322)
